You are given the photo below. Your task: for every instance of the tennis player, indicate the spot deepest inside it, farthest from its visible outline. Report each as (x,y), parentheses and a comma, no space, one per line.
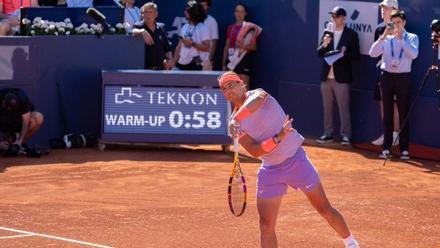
(265,131)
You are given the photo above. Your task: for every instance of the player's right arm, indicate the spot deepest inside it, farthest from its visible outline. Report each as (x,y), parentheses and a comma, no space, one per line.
(253,103)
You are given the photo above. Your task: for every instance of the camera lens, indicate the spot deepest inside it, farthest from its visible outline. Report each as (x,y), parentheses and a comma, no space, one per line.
(435,26)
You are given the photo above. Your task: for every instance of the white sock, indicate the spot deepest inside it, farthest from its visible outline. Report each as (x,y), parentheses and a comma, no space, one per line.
(350,241)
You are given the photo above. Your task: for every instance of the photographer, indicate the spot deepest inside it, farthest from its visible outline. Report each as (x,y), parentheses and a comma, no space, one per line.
(18,118)
(192,51)
(386,8)
(435,27)
(398,49)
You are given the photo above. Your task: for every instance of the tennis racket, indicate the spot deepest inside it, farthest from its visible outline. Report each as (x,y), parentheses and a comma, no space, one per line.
(237,186)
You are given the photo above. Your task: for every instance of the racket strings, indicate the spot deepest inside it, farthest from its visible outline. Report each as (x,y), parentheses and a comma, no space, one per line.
(237,192)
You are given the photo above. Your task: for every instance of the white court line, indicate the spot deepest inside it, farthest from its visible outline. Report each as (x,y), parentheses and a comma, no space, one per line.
(54,237)
(16,236)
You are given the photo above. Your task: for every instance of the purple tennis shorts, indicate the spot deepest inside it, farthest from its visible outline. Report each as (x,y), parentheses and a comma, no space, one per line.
(296,171)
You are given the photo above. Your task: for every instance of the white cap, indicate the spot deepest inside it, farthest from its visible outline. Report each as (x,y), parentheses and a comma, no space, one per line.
(390,4)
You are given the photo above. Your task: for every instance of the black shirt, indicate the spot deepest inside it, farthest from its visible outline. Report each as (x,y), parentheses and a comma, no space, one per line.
(11,121)
(24,103)
(155,54)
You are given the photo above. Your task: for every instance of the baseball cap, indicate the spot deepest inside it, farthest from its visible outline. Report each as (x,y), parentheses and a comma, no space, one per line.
(338,11)
(390,4)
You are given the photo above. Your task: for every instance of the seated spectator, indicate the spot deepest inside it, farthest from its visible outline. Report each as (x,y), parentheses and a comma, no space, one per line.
(79,3)
(158,54)
(18,118)
(10,15)
(132,14)
(193,47)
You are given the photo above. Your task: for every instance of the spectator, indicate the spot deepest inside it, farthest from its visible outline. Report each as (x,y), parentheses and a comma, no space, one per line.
(398,49)
(212,25)
(233,44)
(386,7)
(10,15)
(335,78)
(158,54)
(79,3)
(18,118)
(132,14)
(193,47)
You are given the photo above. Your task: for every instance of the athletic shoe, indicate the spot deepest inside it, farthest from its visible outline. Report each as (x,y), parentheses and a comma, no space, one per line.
(395,134)
(404,155)
(353,245)
(385,154)
(345,141)
(324,139)
(378,141)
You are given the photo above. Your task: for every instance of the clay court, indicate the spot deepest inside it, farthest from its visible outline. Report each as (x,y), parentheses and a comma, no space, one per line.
(176,197)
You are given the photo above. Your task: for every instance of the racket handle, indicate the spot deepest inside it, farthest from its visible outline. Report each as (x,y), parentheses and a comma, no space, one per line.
(236,144)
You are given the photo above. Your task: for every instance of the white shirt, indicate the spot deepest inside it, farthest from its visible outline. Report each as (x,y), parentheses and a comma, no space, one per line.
(198,34)
(212,25)
(131,16)
(79,3)
(336,38)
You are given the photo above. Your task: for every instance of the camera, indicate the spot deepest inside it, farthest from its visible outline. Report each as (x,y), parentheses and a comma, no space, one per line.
(390,25)
(435,27)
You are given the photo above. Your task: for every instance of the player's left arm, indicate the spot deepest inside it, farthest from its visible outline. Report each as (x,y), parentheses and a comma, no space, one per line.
(258,149)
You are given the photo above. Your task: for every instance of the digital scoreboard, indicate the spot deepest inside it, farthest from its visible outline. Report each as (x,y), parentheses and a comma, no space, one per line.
(147,111)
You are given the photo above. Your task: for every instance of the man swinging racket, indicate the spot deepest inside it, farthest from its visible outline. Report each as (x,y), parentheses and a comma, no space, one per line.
(265,131)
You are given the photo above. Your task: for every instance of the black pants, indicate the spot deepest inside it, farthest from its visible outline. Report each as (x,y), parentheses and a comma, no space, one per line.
(398,84)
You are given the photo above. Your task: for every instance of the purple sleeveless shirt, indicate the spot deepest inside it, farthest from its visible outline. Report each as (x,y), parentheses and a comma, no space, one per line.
(264,124)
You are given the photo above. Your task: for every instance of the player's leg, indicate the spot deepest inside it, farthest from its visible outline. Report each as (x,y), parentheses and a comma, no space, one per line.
(268,210)
(270,191)
(303,175)
(319,201)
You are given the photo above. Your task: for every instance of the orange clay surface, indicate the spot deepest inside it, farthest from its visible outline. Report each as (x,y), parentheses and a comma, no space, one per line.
(175,196)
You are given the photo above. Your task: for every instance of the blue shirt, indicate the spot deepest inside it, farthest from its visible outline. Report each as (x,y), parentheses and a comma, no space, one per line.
(397,55)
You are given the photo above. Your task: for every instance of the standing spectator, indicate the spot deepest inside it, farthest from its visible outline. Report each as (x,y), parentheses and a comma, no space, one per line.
(10,15)
(335,78)
(18,118)
(158,54)
(398,49)
(192,51)
(212,25)
(132,14)
(233,44)
(386,7)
